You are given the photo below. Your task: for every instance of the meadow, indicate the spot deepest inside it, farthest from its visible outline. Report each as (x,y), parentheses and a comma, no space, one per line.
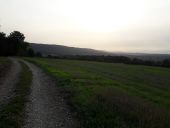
(108,95)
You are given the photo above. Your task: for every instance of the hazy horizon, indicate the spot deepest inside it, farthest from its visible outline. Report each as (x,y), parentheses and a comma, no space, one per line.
(111,25)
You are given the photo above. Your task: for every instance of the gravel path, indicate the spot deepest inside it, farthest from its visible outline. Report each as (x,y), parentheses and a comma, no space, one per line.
(46,108)
(9,81)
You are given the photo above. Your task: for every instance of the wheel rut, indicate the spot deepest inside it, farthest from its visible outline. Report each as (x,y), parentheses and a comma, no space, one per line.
(46,107)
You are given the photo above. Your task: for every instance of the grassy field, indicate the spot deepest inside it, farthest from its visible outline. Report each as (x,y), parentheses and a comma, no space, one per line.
(106,95)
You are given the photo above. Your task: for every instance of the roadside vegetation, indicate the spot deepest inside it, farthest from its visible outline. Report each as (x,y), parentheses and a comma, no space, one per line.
(12,114)
(4,66)
(107,95)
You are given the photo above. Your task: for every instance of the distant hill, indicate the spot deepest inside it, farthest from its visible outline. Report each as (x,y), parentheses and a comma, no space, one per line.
(57,50)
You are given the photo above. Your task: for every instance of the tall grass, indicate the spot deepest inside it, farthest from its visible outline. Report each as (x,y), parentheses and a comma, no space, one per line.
(110,108)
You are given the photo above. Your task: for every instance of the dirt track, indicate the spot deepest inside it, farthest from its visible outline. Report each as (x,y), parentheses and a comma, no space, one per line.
(46,108)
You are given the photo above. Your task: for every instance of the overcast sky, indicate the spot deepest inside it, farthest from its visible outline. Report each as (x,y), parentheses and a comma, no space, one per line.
(113,25)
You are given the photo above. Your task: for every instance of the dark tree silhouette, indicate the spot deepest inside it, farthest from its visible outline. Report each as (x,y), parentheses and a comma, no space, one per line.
(14,45)
(16,35)
(31,52)
(2,35)
(3,43)
(15,42)
(166,63)
(39,54)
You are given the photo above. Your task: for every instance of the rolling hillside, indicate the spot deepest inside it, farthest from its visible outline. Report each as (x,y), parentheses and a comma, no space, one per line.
(49,49)
(59,50)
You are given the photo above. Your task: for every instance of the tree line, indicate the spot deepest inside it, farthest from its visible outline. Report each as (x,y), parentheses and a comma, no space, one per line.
(116,59)
(14,45)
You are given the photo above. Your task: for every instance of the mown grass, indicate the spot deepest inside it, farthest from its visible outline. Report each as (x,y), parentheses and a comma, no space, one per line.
(114,95)
(12,114)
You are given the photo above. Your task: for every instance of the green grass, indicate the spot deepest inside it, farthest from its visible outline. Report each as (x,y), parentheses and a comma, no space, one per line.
(114,95)
(12,114)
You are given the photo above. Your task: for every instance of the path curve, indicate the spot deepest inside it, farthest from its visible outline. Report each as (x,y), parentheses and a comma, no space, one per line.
(9,81)
(46,108)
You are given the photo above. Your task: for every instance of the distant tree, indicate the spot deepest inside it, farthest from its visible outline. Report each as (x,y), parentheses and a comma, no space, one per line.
(137,61)
(23,50)
(49,56)
(16,43)
(3,44)
(16,35)
(166,63)
(31,52)
(39,54)
(2,35)
(149,63)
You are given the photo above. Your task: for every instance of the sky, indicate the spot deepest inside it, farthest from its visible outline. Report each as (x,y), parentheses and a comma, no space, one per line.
(111,25)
